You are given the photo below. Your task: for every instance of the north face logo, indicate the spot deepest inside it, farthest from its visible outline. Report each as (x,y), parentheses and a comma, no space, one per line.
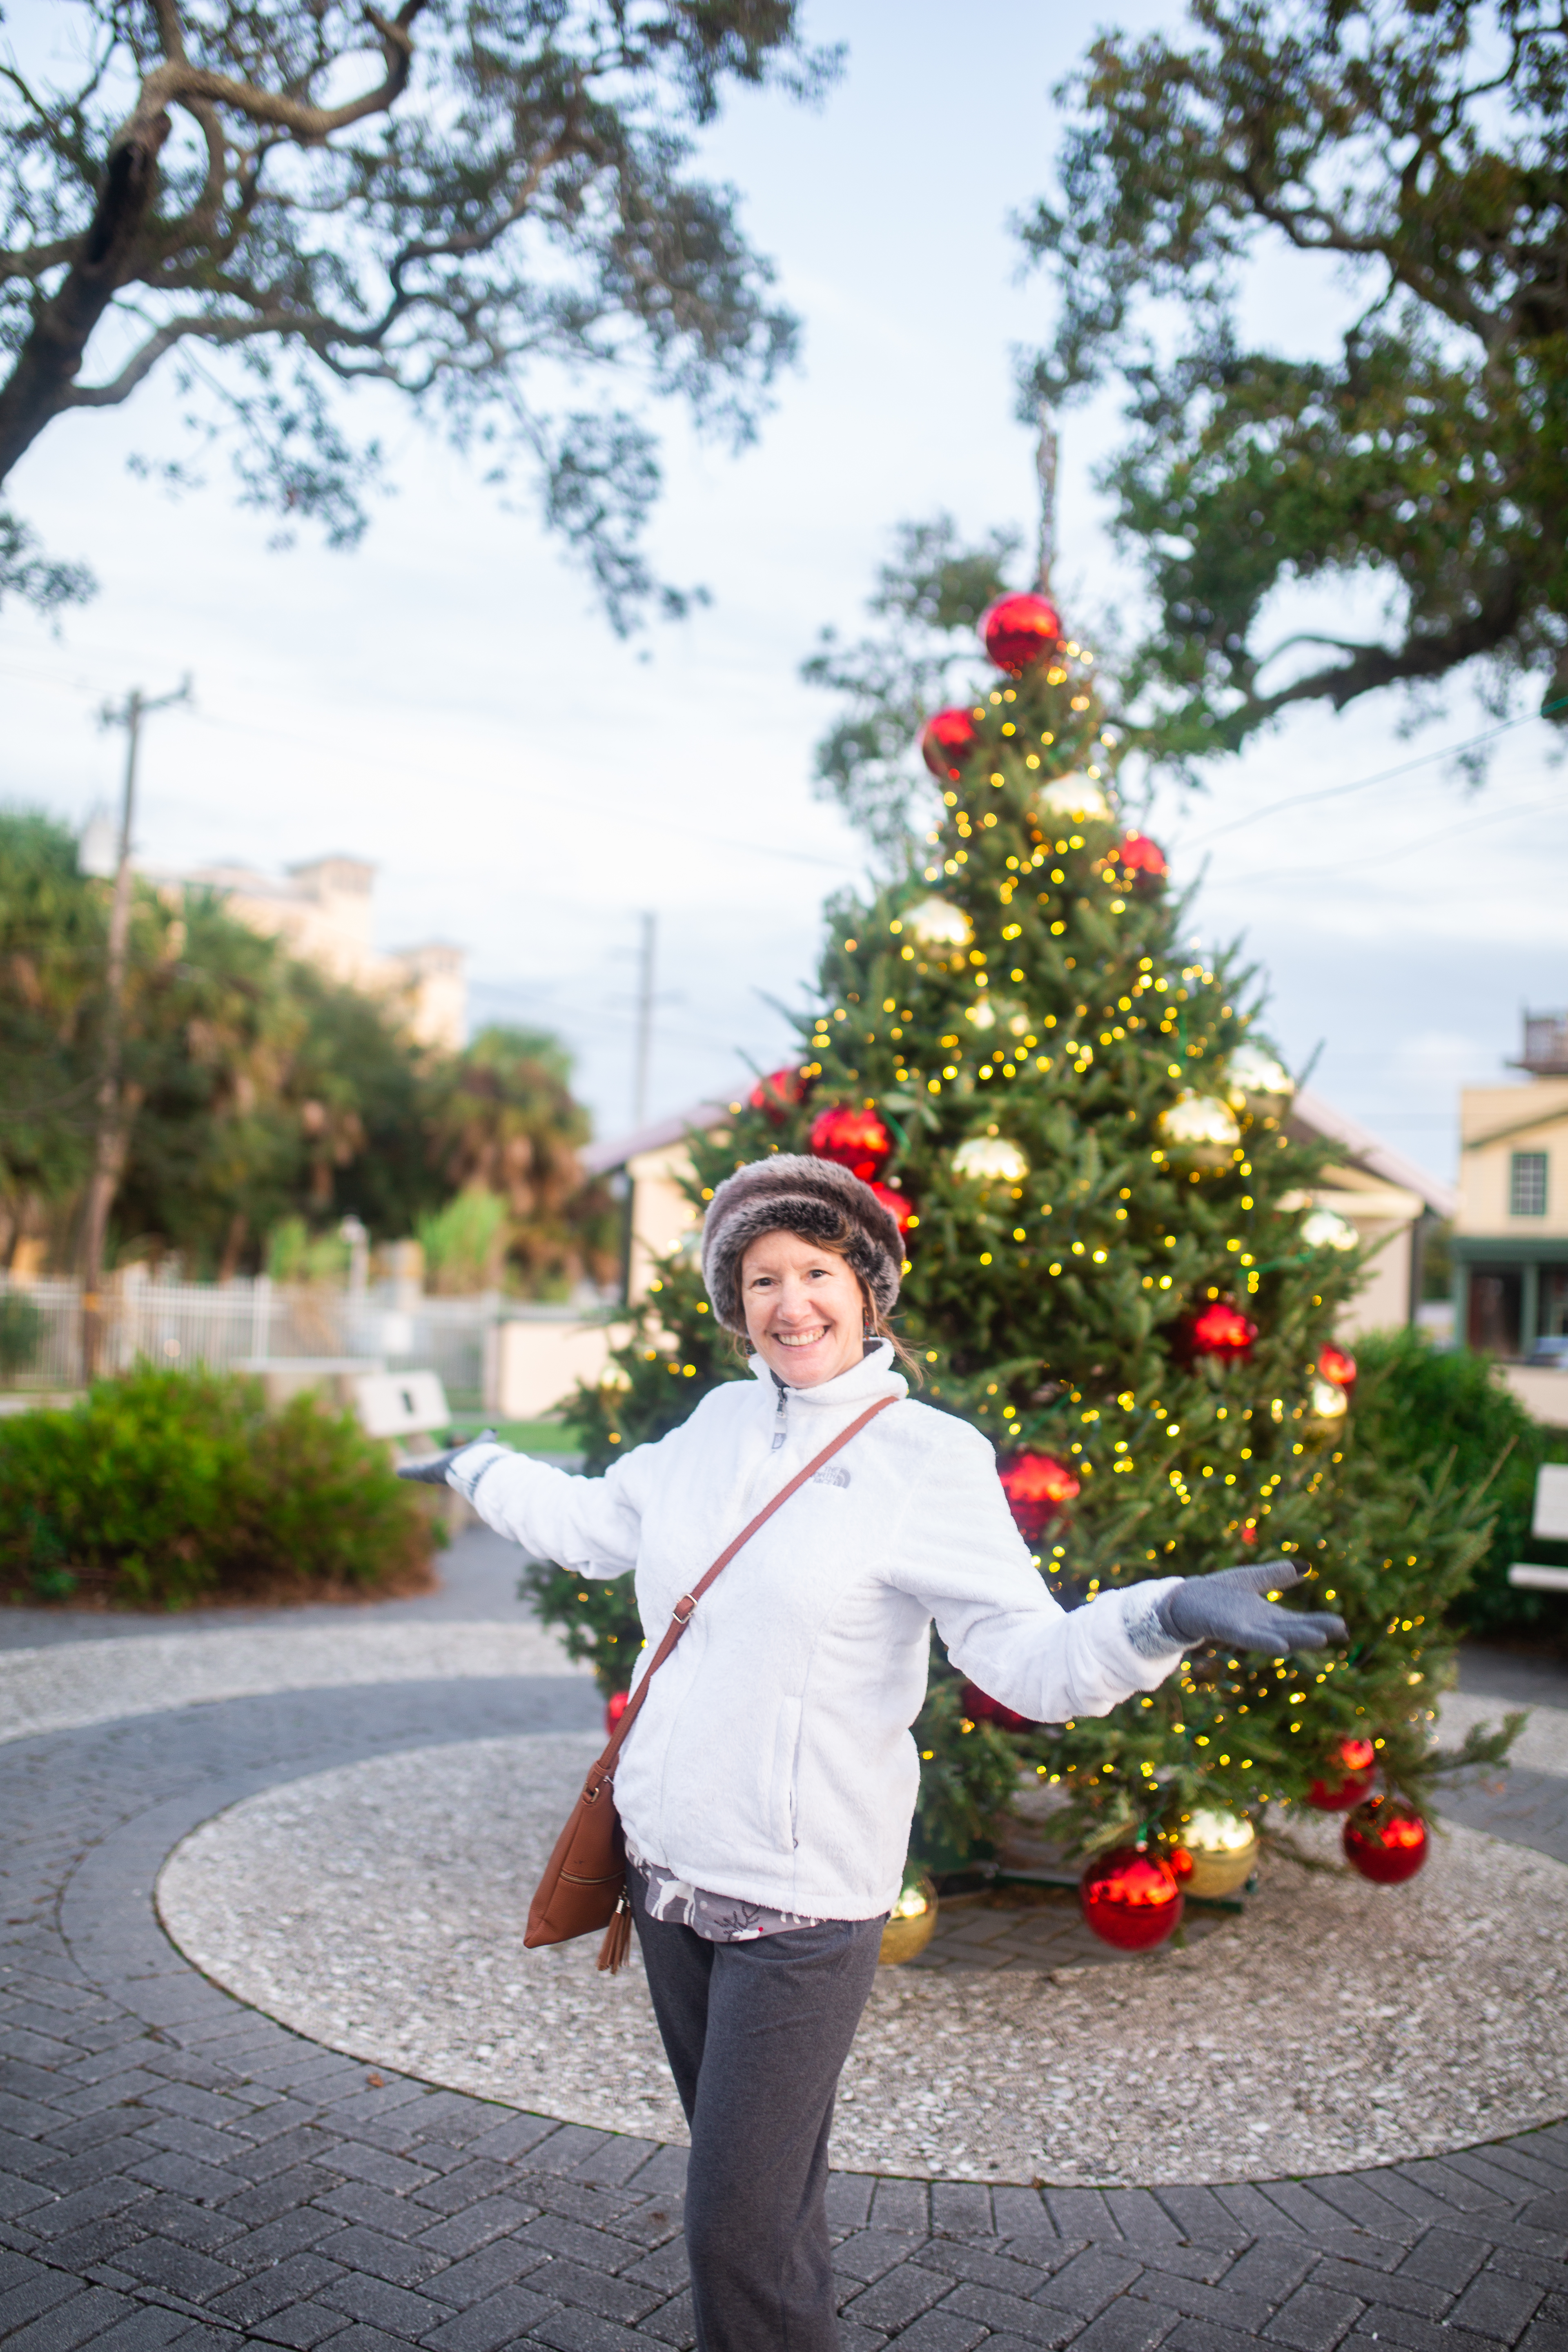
(832,1476)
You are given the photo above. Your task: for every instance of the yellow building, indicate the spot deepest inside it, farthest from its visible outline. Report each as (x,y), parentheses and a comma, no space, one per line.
(320,911)
(1510,1230)
(1391,1202)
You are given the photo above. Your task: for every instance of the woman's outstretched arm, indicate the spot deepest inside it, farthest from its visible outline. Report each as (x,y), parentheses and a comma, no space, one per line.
(962,1556)
(591,1525)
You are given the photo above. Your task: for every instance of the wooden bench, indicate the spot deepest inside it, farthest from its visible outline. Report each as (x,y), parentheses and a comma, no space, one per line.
(1550,1518)
(400,1404)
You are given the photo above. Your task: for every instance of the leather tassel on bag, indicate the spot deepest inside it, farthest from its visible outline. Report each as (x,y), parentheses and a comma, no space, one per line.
(617,1940)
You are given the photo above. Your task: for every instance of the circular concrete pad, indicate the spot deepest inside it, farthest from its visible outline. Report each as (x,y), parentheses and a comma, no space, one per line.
(379,1909)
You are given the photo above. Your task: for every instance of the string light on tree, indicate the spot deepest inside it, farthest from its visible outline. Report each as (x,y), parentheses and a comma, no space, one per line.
(1120,1282)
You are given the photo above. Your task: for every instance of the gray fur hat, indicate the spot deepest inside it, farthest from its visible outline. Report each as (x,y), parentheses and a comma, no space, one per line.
(790,1193)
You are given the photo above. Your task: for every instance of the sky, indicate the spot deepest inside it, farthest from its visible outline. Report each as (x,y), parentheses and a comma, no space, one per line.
(447,702)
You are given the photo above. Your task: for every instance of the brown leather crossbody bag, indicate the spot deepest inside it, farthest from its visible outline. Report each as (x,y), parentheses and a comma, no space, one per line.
(584,1881)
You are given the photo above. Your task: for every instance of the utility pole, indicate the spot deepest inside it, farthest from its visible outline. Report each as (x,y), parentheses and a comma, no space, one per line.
(645,1020)
(1046,468)
(112,1128)
(640,1069)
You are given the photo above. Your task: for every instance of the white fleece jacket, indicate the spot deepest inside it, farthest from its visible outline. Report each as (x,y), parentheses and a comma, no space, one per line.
(771,1759)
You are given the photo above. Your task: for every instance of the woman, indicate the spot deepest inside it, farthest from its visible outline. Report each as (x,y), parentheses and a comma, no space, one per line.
(767,1788)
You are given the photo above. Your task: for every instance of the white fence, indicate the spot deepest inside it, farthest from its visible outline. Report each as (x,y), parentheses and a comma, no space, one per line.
(228,1325)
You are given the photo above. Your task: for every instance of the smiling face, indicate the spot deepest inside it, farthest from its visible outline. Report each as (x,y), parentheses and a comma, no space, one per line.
(805,1316)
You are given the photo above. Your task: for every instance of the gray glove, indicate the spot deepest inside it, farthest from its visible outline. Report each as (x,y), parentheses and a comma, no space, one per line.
(433,1471)
(1226,1606)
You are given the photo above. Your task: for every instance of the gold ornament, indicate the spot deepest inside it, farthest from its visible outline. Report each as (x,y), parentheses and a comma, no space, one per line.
(1329,1403)
(1224,1850)
(911,1923)
(936,923)
(989,1012)
(1199,1130)
(990,1160)
(1255,1082)
(1074,796)
(1326,1229)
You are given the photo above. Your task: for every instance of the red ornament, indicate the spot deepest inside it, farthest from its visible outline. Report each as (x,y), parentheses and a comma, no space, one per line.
(946,742)
(777,1094)
(1346,1777)
(898,1205)
(615,1707)
(1386,1840)
(1020,630)
(1335,1365)
(855,1138)
(1223,1330)
(1035,1485)
(982,1709)
(1249,1531)
(1130,1899)
(1144,856)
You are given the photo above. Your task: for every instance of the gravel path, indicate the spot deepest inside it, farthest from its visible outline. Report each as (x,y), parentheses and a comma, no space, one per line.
(379,1909)
(69,1685)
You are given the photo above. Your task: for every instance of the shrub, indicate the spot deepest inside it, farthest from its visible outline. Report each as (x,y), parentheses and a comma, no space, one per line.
(162,1487)
(1419,1405)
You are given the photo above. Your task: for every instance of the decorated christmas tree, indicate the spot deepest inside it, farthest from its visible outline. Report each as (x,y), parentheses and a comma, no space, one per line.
(1115,1270)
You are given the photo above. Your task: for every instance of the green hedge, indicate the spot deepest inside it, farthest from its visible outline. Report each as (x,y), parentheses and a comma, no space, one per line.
(164,1489)
(1416,1405)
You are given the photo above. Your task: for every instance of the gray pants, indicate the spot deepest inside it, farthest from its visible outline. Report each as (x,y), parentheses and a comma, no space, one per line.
(756,2036)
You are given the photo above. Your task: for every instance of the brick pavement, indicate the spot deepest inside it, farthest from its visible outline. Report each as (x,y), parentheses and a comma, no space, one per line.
(178,2170)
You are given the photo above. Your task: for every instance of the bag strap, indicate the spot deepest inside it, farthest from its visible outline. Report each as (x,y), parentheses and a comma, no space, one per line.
(681,1616)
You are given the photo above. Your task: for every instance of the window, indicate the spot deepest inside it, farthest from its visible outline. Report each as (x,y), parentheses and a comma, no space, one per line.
(1527,1184)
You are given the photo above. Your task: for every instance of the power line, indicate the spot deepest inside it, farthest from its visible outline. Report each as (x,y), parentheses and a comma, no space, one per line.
(1388,856)
(1385,776)
(622,814)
